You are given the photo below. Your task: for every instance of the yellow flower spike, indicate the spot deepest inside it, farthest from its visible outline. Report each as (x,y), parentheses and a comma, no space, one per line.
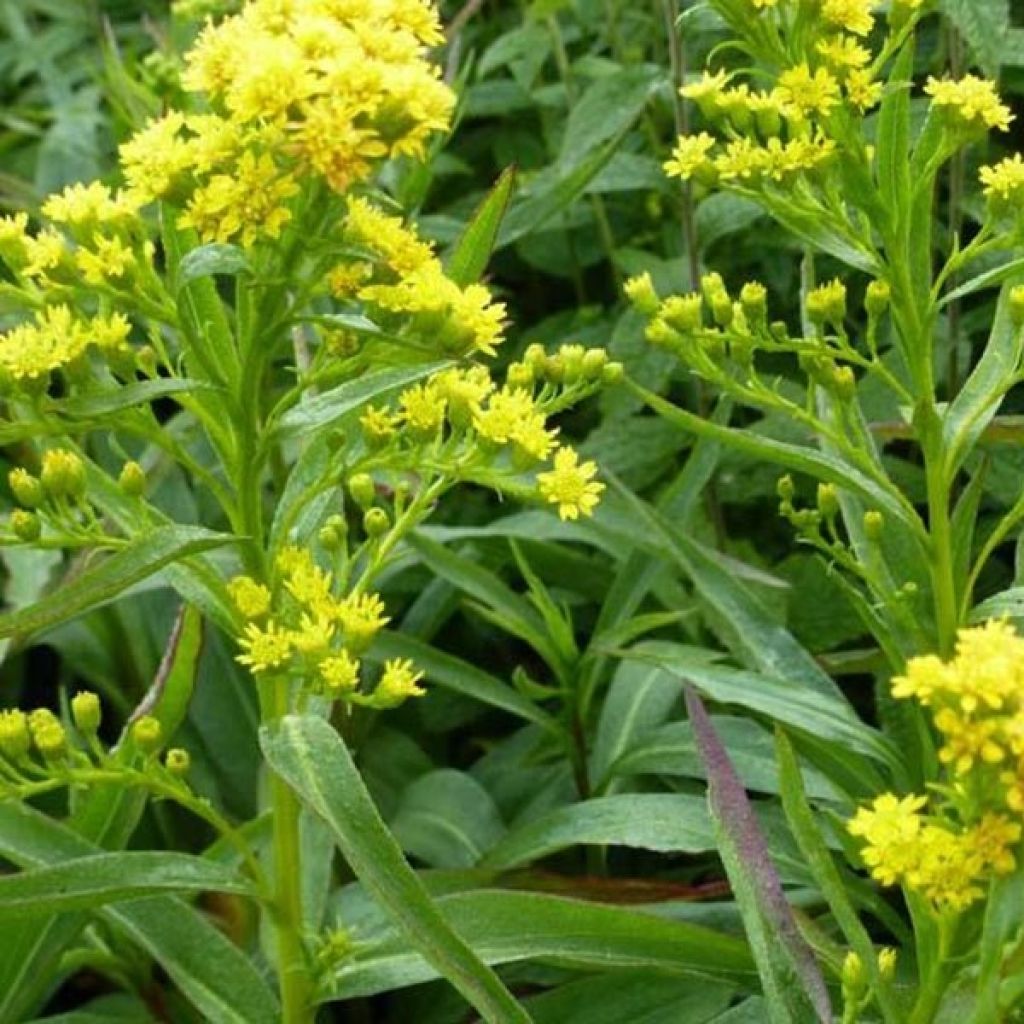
(843,54)
(63,474)
(264,648)
(313,635)
(398,683)
(423,410)
(379,426)
(570,485)
(155,158)
(862,90)
(252,599)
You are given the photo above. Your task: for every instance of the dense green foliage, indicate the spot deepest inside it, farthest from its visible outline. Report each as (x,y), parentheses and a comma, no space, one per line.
(551,789)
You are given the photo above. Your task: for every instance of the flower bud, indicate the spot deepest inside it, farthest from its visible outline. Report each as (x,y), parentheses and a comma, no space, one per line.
(148,734)
(854,977)
(1017,305)
(15,740)
(594,363)
(63,474)
(828,500)
(534,357)
(333,532)
(612,373)
(785,488)
(25,525)
(844,383)
(641,294)
(754,302)
(887,963)
(362,489)
(48,734)
(572,357)
(722,309)
(519,376)
(132,480)
(711,285)
(177,762)
(376,522)
(682,312)
(874,524)
(26,488)
(86,712)
(877,298)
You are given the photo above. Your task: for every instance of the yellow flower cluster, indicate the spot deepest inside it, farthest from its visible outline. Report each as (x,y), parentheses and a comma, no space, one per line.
(946,864)
(56,339)
(1004,184)
(302,625)
(319,89)
(976,700)
(973,102)
(401,277)
(476,421)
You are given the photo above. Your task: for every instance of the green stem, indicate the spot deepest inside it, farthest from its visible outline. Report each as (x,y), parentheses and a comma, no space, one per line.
(935,983)
(293,968)
(947,616)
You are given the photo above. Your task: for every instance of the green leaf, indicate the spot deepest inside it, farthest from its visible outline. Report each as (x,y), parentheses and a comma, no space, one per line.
(468,260)
(551,193)
(995,275)
(893,139)
(1004,919)
(793,985)
(746,627)
(210,971)
(639,698)
(826,719)
(128,397)
(323,410)
(631,997)
(672,750)
(663,822)
(211,259)
(982,393)
(446,819)
(460,677)
(984,24)
(513,612)
(509,927)
(111,576)
(799,458)
(314,760)
(606,109)
(212,353)
(1009,603)
(819,859)
(101,878)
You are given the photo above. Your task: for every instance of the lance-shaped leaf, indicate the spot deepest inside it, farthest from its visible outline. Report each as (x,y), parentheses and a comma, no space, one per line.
(98,879)
(468,259)
(111,576)
(793,985)
(314,761)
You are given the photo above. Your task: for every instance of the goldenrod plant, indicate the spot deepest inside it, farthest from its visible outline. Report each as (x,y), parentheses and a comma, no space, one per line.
(246,304)
(820,115)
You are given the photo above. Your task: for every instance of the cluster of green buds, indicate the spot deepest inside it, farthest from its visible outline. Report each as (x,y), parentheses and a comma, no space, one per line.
(858,987)
(40,752)
(56,498)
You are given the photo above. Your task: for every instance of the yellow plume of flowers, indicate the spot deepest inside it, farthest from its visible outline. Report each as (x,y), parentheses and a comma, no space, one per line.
(976,700)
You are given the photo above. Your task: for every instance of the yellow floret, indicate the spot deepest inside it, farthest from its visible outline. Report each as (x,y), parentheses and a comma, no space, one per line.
(570,485)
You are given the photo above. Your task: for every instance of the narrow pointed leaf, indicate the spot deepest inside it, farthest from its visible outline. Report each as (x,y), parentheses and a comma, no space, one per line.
(313,759)
(793,985)
(468,259)
(112,575)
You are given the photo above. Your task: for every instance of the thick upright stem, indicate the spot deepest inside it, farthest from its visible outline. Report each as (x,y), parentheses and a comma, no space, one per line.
(942,571)
(293,970)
